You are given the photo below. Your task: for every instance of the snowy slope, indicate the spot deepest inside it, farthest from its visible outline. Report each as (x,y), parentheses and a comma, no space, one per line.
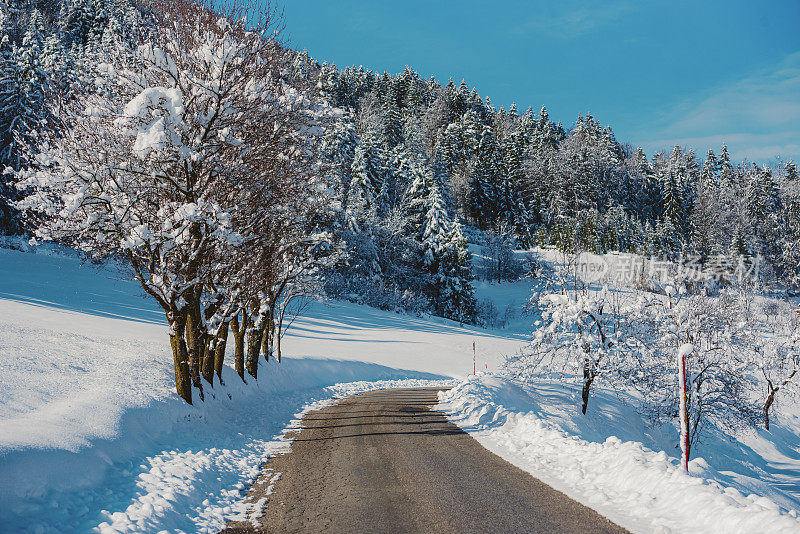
(92,434)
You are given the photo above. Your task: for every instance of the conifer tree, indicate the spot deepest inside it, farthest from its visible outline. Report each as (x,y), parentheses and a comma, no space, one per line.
(482,192)
(762,195)
(360,220)
(726,173)
(445,260)
(456,297)
(508,203)
(791,171)
(442,257)
(671,213)
(790,241)
(11,117)
(360,205)
(23,106)
(393,125)
(705,212)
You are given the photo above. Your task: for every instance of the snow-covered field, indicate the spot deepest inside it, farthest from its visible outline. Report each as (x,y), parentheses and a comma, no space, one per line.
(93,437)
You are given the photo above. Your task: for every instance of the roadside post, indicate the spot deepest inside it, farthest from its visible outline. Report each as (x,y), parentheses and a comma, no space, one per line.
(473,358)
(683,401)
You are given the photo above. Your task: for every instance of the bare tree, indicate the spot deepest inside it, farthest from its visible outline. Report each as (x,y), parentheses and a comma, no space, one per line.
(776,355)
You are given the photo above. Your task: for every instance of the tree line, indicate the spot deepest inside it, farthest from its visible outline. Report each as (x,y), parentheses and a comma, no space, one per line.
(526,178)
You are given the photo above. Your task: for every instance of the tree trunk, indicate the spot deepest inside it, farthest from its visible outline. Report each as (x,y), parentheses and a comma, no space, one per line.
(180,356)
(254,338)
(207,348)
(767,406)
(219,350)
(588,378)
(238,338)
(279,333)
(683,410)
(270,332)
(587,385)
(193,336)
(266,343)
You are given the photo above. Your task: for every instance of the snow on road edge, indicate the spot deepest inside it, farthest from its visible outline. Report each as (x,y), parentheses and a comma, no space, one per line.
(167,492)
(639,489)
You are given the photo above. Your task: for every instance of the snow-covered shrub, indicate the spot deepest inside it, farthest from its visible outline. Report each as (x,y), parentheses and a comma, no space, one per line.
(578,335)
(775,354)
(719,377)
(338,285)
(509,313)
(629,340)
(499,261)
(486,314)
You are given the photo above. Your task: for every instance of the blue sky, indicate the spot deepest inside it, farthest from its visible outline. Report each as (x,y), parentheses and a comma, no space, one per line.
(660,73)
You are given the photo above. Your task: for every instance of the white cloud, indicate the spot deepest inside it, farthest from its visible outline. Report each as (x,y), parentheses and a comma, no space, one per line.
(758,117)
(571,19)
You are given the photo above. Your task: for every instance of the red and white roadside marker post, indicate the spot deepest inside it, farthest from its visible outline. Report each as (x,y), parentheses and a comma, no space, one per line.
(683,399)
(473,358)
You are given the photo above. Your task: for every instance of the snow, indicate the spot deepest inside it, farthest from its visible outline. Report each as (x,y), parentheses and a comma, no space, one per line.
(198,490)
(600,460)
(153,129)
(92,436)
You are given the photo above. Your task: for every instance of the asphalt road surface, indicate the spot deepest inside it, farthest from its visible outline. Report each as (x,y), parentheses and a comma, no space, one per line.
(384,462)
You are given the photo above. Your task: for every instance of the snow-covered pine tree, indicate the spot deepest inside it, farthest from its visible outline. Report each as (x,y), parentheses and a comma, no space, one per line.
(726,171)
(441,257)
(705,210)
(393,125)
(446,261)
(10,117)
(762,194)
(482,190)
(672,212)
(456,298)
(510,209)
(339,144)
(360,205)
(790,242)
(373,161)
(764,209)
(23,106)
(791,171)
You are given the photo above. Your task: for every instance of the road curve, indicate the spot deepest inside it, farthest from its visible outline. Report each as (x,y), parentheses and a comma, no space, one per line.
(384,462)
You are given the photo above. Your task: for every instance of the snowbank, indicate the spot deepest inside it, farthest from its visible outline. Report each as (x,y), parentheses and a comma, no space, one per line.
(538,428)
(188,490)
